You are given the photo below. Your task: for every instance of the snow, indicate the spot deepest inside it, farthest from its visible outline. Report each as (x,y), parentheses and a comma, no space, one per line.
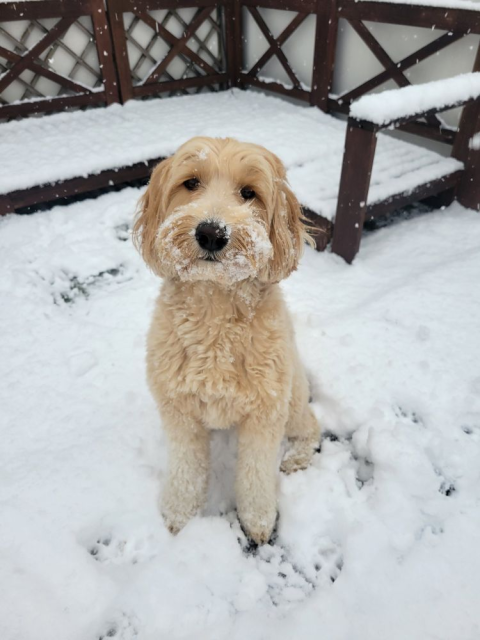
(387,106)
(378,538)
(309,142)
(287,85)
(470,5)
(474,142)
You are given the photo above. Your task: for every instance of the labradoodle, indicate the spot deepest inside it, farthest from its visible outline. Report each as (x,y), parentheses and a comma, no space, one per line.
(221,226)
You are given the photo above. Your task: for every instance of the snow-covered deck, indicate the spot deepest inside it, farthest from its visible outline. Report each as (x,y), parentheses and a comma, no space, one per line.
(69,145)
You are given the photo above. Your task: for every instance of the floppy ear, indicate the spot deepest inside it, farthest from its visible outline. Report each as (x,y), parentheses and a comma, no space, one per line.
(150,213)
(288,232)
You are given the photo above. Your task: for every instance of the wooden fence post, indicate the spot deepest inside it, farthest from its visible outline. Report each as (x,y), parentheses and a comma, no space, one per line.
(468,189)
(324,52)
(232,37)
(117,30)
(104,46)
(238,41)
(357,166)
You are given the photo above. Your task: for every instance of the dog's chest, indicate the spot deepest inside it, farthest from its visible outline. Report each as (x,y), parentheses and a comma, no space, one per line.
(209,358)
(227,361)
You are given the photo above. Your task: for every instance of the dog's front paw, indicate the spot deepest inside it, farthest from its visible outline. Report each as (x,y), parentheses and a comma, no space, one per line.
(176,513)
(298,455)
(259,527)
(174,520)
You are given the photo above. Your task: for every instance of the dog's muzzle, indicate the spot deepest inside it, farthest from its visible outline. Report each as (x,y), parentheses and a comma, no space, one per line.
(211,236)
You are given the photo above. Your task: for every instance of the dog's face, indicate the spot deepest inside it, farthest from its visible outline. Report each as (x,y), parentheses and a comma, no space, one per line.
(220,210)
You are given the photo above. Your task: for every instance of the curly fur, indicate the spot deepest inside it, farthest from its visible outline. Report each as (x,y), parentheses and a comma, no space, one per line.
(221,349)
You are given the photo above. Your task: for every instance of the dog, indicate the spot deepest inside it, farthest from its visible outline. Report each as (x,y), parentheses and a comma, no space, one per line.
(219,223)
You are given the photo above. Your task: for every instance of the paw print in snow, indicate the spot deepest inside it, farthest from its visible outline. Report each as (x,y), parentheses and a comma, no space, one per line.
(326,564)
(286,583)
(289,582)
(410,416)
(112,550)
(125,628)
(330,564)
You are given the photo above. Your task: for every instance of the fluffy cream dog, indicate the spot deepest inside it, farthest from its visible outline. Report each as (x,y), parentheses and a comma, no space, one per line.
(220,225)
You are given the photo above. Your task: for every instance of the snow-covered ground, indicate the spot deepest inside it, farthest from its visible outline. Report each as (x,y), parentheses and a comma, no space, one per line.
(378,539)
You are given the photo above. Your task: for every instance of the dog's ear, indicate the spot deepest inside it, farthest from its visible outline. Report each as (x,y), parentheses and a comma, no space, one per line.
(288,232)
(151,213)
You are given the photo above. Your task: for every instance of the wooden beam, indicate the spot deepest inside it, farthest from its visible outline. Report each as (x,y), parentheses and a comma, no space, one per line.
(120,51)
(233,41)
(304,6)
(49,105)
(155,88)
(130,6)
(324,52)
(441,18)
(68,188)
(299,94)
(357,166)
(425,130)
(34,10)
(6,205)
(104,47)
(468,192)
(323,228)
(424,191)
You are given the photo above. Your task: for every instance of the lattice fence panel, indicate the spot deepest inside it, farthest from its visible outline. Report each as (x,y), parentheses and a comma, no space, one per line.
(292,64)
(72,56)
(147,48)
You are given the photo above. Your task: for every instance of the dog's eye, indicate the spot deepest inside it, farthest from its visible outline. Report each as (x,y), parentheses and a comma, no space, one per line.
(191,184)
(247,193)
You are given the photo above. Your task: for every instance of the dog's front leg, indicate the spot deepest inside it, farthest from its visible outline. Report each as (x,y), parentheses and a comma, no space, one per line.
(186,487)
(256,485)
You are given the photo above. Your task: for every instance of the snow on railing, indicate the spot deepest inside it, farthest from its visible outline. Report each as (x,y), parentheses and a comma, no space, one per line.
(474,142)
(396,104)
(286,85)
(471,5)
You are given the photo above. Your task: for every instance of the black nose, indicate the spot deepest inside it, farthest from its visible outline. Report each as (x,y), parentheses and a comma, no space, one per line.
(211,236)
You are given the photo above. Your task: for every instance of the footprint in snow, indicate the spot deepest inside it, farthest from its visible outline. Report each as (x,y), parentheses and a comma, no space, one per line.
(410,416)
(116,550)
(126,627)
(287,583)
